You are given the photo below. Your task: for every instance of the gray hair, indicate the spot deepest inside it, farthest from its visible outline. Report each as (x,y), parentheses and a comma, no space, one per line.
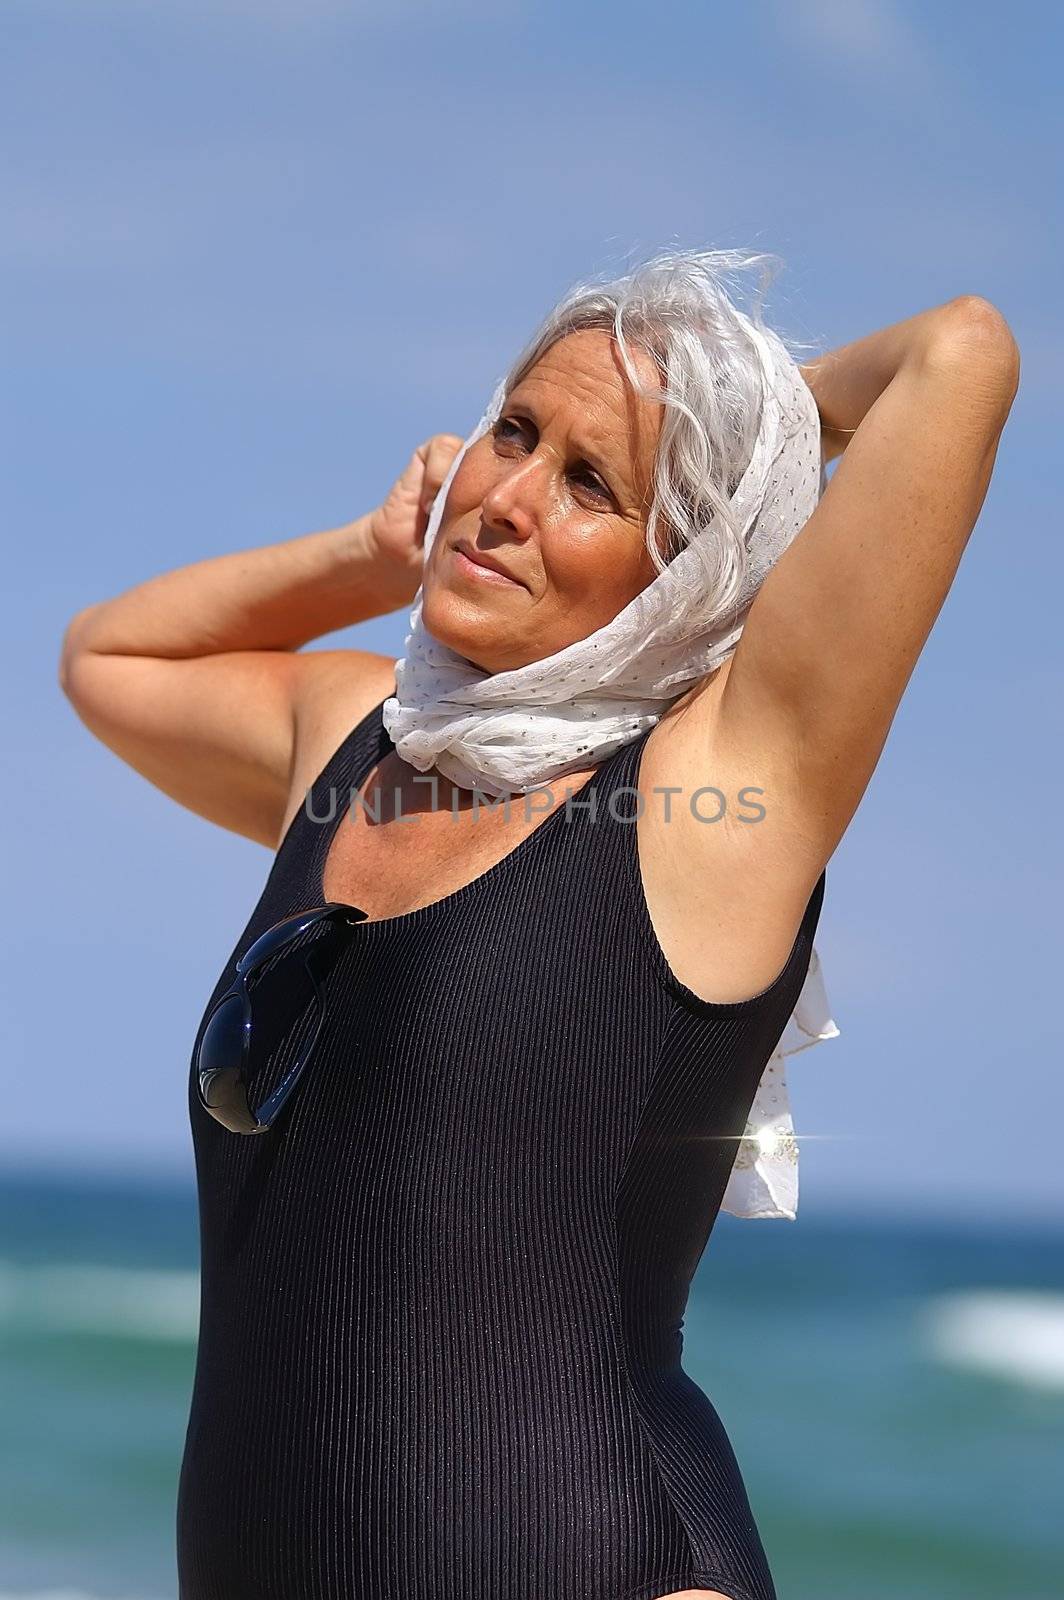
(677,308)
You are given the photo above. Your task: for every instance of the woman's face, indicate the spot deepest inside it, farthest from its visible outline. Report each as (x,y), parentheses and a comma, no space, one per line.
(556,494)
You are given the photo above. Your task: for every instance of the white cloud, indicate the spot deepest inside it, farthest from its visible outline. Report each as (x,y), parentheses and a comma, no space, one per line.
(868,30)
(872,36)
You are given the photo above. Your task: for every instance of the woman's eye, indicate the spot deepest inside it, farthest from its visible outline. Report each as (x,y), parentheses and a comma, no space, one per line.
(506,428)
(589,481)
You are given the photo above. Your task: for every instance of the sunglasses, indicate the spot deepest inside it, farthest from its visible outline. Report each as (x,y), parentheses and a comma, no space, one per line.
(223,1053)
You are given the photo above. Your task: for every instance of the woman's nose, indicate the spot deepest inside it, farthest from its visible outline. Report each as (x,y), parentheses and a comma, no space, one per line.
(514,501)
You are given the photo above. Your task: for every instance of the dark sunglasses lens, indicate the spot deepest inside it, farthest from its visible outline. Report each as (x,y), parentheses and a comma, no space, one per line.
(220,1066)
(286,1013)
(322,920)
(246,1091)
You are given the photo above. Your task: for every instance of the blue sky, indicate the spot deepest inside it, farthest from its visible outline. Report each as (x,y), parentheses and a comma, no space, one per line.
(255,250)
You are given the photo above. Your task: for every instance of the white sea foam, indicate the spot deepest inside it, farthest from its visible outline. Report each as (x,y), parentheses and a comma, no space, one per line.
(1019,1337)
(120,1302)
(64,1594)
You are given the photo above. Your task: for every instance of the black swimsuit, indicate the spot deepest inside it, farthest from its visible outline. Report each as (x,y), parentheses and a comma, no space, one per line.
(442,1298)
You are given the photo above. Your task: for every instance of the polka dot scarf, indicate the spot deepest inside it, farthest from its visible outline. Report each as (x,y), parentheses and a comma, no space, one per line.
(508,732)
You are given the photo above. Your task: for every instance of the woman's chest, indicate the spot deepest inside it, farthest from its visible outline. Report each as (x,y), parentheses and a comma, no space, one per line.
(394,850)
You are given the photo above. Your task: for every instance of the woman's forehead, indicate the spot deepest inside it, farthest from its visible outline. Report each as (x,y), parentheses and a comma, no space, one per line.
(589,361)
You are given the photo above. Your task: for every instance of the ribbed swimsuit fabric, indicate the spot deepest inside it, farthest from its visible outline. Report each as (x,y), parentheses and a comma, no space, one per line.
(442,1298)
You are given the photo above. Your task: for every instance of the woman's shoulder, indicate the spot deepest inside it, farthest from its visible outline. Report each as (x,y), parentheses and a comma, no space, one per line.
(728,867)
(336,690)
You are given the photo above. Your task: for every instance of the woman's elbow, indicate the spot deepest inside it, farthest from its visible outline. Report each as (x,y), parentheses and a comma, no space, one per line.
(973,336)
(72,646)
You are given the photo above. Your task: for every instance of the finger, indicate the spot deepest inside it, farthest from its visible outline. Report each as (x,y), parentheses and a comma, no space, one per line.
(442,450)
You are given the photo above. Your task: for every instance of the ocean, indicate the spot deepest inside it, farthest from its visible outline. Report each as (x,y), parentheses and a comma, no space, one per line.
(894,1392)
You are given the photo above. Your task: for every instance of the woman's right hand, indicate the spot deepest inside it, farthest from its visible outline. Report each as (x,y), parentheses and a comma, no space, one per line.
(397,527)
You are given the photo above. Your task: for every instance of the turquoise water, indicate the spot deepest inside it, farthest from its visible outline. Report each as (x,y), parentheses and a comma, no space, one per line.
(895,1395)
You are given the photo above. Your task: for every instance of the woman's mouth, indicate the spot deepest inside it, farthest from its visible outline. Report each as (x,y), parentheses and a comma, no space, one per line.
(476,568)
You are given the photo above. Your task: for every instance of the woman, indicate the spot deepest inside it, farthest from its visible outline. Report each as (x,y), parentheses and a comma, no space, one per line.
(443,1289)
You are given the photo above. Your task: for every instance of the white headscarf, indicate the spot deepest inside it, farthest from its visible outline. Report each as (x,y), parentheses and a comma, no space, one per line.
(508,732)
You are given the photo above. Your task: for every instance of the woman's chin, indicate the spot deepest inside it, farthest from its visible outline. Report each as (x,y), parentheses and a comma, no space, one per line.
(470,630)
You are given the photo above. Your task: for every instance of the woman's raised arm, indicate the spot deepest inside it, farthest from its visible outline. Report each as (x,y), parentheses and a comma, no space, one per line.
(832,637)
(195,677)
